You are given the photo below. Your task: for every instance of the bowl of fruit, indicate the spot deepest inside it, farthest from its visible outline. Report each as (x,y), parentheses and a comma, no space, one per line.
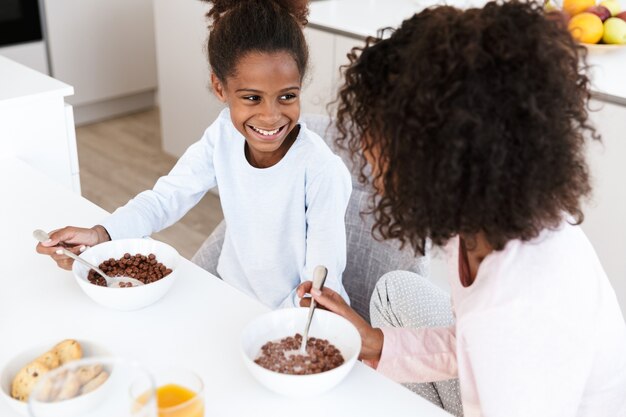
(599,25)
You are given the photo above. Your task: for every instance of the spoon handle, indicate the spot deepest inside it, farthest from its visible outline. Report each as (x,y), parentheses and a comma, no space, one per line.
(84,262)
(319,277)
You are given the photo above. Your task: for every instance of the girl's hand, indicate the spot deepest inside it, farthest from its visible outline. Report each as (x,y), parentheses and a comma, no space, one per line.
(75,239)
(371,338)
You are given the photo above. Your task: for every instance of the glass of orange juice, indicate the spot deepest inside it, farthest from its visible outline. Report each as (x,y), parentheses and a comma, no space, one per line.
(180,393)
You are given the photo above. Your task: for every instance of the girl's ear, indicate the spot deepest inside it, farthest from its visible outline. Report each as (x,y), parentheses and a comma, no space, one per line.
(218,88)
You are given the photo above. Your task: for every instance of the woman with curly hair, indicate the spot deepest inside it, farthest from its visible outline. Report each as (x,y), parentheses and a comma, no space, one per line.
(474,125)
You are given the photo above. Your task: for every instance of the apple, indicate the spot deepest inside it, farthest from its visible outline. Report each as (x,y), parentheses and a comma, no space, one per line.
(602,12)
(614,31)
(613,6)
(622,16)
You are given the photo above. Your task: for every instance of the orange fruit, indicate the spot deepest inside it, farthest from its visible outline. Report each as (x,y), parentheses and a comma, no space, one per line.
(573,7)
(586,28)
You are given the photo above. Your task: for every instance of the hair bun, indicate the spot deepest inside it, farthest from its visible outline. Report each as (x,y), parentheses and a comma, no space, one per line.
(299,9)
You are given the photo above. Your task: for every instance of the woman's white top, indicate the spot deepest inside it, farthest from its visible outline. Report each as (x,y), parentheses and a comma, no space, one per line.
(538,333)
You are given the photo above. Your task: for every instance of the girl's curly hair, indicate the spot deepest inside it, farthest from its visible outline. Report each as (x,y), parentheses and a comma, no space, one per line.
(477,120)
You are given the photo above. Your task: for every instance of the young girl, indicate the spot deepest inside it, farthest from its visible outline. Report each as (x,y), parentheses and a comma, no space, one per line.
(283,192)
(474,123)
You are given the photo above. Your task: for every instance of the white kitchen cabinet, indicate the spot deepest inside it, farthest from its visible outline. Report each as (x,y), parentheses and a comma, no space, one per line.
(186,102)
(36,125)
(106,50)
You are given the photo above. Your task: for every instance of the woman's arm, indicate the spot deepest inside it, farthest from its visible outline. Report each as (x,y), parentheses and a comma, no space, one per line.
(371,338)
(402,354)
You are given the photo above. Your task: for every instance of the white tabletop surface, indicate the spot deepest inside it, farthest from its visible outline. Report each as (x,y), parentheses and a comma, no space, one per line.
(19,82)
(196,325)
(362,18)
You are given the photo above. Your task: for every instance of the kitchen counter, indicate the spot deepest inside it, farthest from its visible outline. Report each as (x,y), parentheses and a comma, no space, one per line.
(608,75)
(362,18)
(359,19)
(20,82)
(36,124)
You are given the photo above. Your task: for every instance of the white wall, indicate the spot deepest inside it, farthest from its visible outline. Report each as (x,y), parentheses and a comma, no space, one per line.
(187,105)
(605,214)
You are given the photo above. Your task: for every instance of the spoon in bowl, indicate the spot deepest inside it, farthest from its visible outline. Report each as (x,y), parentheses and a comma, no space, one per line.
(319,276)
(114,282)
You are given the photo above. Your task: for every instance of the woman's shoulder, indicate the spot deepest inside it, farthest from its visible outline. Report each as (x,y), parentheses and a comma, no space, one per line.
(561,254)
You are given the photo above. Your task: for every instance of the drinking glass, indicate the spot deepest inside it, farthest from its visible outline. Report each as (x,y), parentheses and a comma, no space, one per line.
(180,393)
(95,387)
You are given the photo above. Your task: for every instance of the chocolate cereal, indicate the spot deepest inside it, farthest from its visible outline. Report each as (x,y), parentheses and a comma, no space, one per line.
(283,356)
(144,268)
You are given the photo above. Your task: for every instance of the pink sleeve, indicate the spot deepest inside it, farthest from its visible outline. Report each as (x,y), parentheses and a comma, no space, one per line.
(427,354)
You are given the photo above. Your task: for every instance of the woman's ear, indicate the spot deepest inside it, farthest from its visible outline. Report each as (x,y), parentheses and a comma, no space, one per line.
(218,88)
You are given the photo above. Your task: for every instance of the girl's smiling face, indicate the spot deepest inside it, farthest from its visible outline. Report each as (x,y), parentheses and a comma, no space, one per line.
(264,100)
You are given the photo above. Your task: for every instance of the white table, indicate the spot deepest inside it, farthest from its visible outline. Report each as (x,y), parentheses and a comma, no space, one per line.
(196,325)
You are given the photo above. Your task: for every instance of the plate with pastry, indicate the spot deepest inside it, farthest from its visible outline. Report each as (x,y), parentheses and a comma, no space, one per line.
(20,375)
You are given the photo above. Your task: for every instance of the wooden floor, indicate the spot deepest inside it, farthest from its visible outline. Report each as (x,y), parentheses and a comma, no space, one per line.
(121,157)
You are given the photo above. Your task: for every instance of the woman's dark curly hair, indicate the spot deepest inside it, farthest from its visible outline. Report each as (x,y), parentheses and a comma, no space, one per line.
(477,120)
(239,27)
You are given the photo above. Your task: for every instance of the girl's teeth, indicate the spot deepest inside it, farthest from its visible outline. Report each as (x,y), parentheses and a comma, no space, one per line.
(265,132)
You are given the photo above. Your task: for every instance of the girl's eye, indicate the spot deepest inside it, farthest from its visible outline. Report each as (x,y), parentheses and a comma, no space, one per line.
(252,98)
(287,97)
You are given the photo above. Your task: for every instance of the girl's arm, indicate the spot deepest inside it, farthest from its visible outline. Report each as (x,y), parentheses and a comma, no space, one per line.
(172,196)
(327,195)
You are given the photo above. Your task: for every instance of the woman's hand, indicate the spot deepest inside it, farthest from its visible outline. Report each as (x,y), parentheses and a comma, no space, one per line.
(371,338)
(75,239)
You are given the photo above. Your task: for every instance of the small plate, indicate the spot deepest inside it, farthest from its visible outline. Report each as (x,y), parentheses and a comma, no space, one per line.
(13,366)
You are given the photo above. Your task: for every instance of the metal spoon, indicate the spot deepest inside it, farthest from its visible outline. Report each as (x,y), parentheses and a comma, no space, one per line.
(115,282)
(319,276)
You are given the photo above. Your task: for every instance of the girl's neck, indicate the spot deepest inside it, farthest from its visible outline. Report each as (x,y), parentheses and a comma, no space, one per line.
(473,249)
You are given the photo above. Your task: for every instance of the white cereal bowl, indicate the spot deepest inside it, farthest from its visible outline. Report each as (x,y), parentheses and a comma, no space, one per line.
(132,298)
(13,366)
(282,323)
